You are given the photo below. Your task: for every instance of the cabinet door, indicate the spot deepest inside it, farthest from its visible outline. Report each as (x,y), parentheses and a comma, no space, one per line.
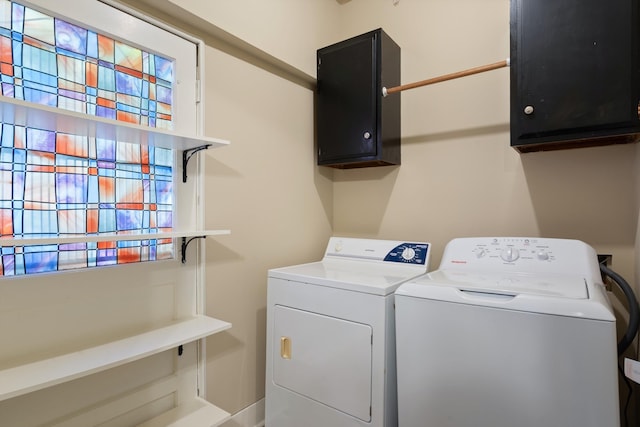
(346,102)
(574,70)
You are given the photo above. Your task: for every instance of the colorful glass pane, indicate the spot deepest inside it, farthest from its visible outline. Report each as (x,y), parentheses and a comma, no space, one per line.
(54,184)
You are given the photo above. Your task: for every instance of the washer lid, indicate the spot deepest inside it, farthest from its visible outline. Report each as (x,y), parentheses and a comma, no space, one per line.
(558,295)
(558,286)
(358,276)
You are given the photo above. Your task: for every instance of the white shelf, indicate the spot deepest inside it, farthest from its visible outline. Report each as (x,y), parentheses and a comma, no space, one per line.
(45,373)
(23,113)
(196,413)
(27,241)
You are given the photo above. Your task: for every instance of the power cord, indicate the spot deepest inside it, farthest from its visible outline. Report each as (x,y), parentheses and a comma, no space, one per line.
(632,327)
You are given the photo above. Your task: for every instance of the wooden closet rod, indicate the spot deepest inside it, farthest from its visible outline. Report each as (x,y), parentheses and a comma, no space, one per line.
(446,77)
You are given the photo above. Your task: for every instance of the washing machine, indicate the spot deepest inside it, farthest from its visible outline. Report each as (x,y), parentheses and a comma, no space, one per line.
(331,334)
(508,332)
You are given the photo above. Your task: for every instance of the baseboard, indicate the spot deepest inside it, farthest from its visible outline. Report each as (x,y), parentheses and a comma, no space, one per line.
(251,416)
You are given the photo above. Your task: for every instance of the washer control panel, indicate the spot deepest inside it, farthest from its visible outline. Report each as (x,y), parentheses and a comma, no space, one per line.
(413,253)
(521,254)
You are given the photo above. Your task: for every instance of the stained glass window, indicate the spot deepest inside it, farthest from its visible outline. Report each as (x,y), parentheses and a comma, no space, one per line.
(54,184)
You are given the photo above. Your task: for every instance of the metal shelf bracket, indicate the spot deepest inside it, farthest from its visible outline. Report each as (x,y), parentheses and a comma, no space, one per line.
(185,243)
(186,156)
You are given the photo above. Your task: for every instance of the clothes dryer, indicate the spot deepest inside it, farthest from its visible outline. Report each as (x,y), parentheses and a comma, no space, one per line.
(331,334)
(508,332)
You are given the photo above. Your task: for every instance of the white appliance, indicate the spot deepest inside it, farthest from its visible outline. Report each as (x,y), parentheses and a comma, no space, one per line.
(331,335)
(508,332)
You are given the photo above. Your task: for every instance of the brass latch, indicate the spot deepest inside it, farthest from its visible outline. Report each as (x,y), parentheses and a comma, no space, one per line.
(285,347)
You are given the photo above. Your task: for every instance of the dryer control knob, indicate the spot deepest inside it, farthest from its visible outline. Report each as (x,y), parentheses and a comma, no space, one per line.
(408,254)
(510,254)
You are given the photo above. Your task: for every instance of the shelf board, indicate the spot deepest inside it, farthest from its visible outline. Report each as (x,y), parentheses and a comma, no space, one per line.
(195,413)
(45,373)
(22,113)
(28,241)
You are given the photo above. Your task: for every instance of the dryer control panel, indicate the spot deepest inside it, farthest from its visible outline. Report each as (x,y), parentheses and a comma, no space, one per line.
(520,254)
(413,253)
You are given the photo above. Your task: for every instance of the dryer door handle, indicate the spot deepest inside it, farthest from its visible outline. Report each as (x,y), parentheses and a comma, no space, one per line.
(285,347)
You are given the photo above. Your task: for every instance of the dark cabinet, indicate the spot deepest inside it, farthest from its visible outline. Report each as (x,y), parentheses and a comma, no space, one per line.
(575,73)
(356,125)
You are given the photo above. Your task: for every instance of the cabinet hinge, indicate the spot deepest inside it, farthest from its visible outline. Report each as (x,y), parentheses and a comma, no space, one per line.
(198,91)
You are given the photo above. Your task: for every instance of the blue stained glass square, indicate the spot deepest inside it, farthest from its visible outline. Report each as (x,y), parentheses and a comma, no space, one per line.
(6,137)
(18,17)
(106,257)
(40,222)
(19,157)
(163,94)
(106,220)
(41,140)
(92,44)
(164,68)
(7,90)
(106,78)
(40,97)
(39,59)
(17,53)
(129,219)
(164,192)
(108,113)
(40,262)
(71,37)
(92,190)
(164,219)
(6,155)
(39,77)
(71,188)
(128,84)
(8,265)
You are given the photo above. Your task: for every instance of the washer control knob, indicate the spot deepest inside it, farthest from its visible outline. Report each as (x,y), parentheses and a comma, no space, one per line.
(510,254)
(408,254)
(543,255)
(481,253)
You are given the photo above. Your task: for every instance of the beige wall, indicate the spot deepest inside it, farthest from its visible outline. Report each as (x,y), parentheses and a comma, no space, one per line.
(265,188)
(459,177)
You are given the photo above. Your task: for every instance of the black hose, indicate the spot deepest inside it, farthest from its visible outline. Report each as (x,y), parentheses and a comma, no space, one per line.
(634,309)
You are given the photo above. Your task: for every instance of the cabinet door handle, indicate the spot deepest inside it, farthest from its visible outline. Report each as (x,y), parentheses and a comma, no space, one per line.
(285,347)
(528,109)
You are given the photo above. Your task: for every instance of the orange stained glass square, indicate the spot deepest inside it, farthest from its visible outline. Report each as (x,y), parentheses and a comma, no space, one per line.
(107,189)
(92,220)
(6,69)
(145,169)
(124,116)
(6,53)
(91,74)
(127,255)
(93,171)
(6,222)
(106,245)
(72,145)
(106,48)
(104,102)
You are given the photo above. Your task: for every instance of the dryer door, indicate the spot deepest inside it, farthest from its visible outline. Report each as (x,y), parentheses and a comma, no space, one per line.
(324,358)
